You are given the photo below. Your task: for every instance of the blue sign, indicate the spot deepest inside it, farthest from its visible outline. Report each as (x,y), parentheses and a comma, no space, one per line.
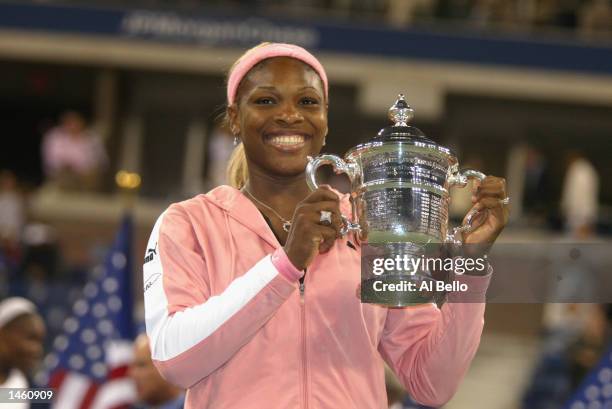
(244,31)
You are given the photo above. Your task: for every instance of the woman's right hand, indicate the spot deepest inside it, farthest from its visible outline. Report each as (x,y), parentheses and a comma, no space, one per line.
(308,236)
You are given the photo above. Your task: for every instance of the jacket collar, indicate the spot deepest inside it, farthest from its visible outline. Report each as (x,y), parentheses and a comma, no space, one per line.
(241,209)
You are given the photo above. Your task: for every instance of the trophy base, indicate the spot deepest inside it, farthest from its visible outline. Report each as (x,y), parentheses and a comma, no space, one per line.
(398,290)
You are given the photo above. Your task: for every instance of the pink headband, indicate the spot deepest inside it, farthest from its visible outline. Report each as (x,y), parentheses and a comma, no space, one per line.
(257,54)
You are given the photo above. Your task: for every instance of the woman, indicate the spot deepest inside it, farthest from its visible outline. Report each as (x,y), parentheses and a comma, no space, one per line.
(250,298)
(22,333)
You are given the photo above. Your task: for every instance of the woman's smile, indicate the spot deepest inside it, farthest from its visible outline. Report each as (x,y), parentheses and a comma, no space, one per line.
(287,141)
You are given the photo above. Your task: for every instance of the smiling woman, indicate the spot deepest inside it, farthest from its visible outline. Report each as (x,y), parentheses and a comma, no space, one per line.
(262,89)
(236,319)
(280,115)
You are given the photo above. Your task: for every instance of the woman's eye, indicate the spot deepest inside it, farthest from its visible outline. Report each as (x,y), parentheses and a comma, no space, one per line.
(264,101)
(309,101)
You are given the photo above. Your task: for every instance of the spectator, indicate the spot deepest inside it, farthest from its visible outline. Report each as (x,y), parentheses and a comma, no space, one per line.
(73,157)
(596,19)
(11,216)
(579,201)
(401,13)
(486,13)
(573,339)
(536,185)
(567,13)
(454,9)
(22,332)
(153,391)
(221,148)
(588,349)
(545,12)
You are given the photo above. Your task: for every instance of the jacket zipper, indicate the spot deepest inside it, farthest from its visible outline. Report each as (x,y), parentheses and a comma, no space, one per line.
(304,357)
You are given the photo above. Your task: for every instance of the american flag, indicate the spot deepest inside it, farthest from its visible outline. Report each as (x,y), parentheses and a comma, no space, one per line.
(596,390)
(88,364)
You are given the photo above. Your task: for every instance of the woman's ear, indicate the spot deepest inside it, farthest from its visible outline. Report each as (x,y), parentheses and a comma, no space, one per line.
(233,123)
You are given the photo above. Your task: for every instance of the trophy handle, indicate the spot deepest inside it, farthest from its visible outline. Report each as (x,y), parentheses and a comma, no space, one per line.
(460,179)
(340,166)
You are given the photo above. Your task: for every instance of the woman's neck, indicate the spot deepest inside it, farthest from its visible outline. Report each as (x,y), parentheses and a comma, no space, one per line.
(282,193)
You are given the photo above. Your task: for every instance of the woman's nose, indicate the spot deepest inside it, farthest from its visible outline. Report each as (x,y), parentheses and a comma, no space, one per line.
(289,115)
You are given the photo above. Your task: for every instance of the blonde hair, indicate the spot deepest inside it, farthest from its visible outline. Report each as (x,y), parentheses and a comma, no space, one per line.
(237,169)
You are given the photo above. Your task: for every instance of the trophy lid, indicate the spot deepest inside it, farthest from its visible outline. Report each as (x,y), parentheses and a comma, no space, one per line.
(400,113)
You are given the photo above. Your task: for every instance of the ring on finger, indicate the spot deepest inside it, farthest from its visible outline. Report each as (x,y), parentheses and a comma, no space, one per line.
(505,201)
(325,218)
(318,239)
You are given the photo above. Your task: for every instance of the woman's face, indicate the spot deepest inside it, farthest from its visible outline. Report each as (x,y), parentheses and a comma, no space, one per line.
(21,342)
(281,115)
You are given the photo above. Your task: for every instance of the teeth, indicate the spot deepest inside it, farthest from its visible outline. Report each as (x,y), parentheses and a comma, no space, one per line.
(287,140)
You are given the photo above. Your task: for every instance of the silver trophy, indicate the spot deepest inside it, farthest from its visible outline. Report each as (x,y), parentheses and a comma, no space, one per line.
(400,195)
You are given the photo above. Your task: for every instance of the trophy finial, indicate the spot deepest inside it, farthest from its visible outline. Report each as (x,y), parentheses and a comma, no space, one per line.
(400,112)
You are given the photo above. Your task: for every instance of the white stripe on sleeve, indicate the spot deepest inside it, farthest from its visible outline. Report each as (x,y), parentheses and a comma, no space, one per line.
(172,335)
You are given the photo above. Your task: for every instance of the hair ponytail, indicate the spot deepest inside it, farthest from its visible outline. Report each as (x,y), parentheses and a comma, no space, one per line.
(237,170)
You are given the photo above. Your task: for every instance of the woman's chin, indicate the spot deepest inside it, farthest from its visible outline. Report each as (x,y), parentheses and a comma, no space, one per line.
(293,167)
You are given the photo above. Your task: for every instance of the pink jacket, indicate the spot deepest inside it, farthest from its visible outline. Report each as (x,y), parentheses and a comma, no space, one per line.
(228,322)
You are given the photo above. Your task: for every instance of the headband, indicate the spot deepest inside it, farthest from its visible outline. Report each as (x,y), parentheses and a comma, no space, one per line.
(263,52)
(14,307)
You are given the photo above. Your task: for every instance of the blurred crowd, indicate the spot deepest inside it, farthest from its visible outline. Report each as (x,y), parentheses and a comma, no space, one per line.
(591,18)
(74,160)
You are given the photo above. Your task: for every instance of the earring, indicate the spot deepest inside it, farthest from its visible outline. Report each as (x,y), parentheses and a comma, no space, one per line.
(236,141)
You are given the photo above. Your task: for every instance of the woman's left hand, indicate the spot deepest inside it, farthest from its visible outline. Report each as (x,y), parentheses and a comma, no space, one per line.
(488,194)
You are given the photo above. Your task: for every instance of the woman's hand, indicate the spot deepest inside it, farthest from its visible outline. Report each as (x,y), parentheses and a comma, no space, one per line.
(488,194)
(308,236)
